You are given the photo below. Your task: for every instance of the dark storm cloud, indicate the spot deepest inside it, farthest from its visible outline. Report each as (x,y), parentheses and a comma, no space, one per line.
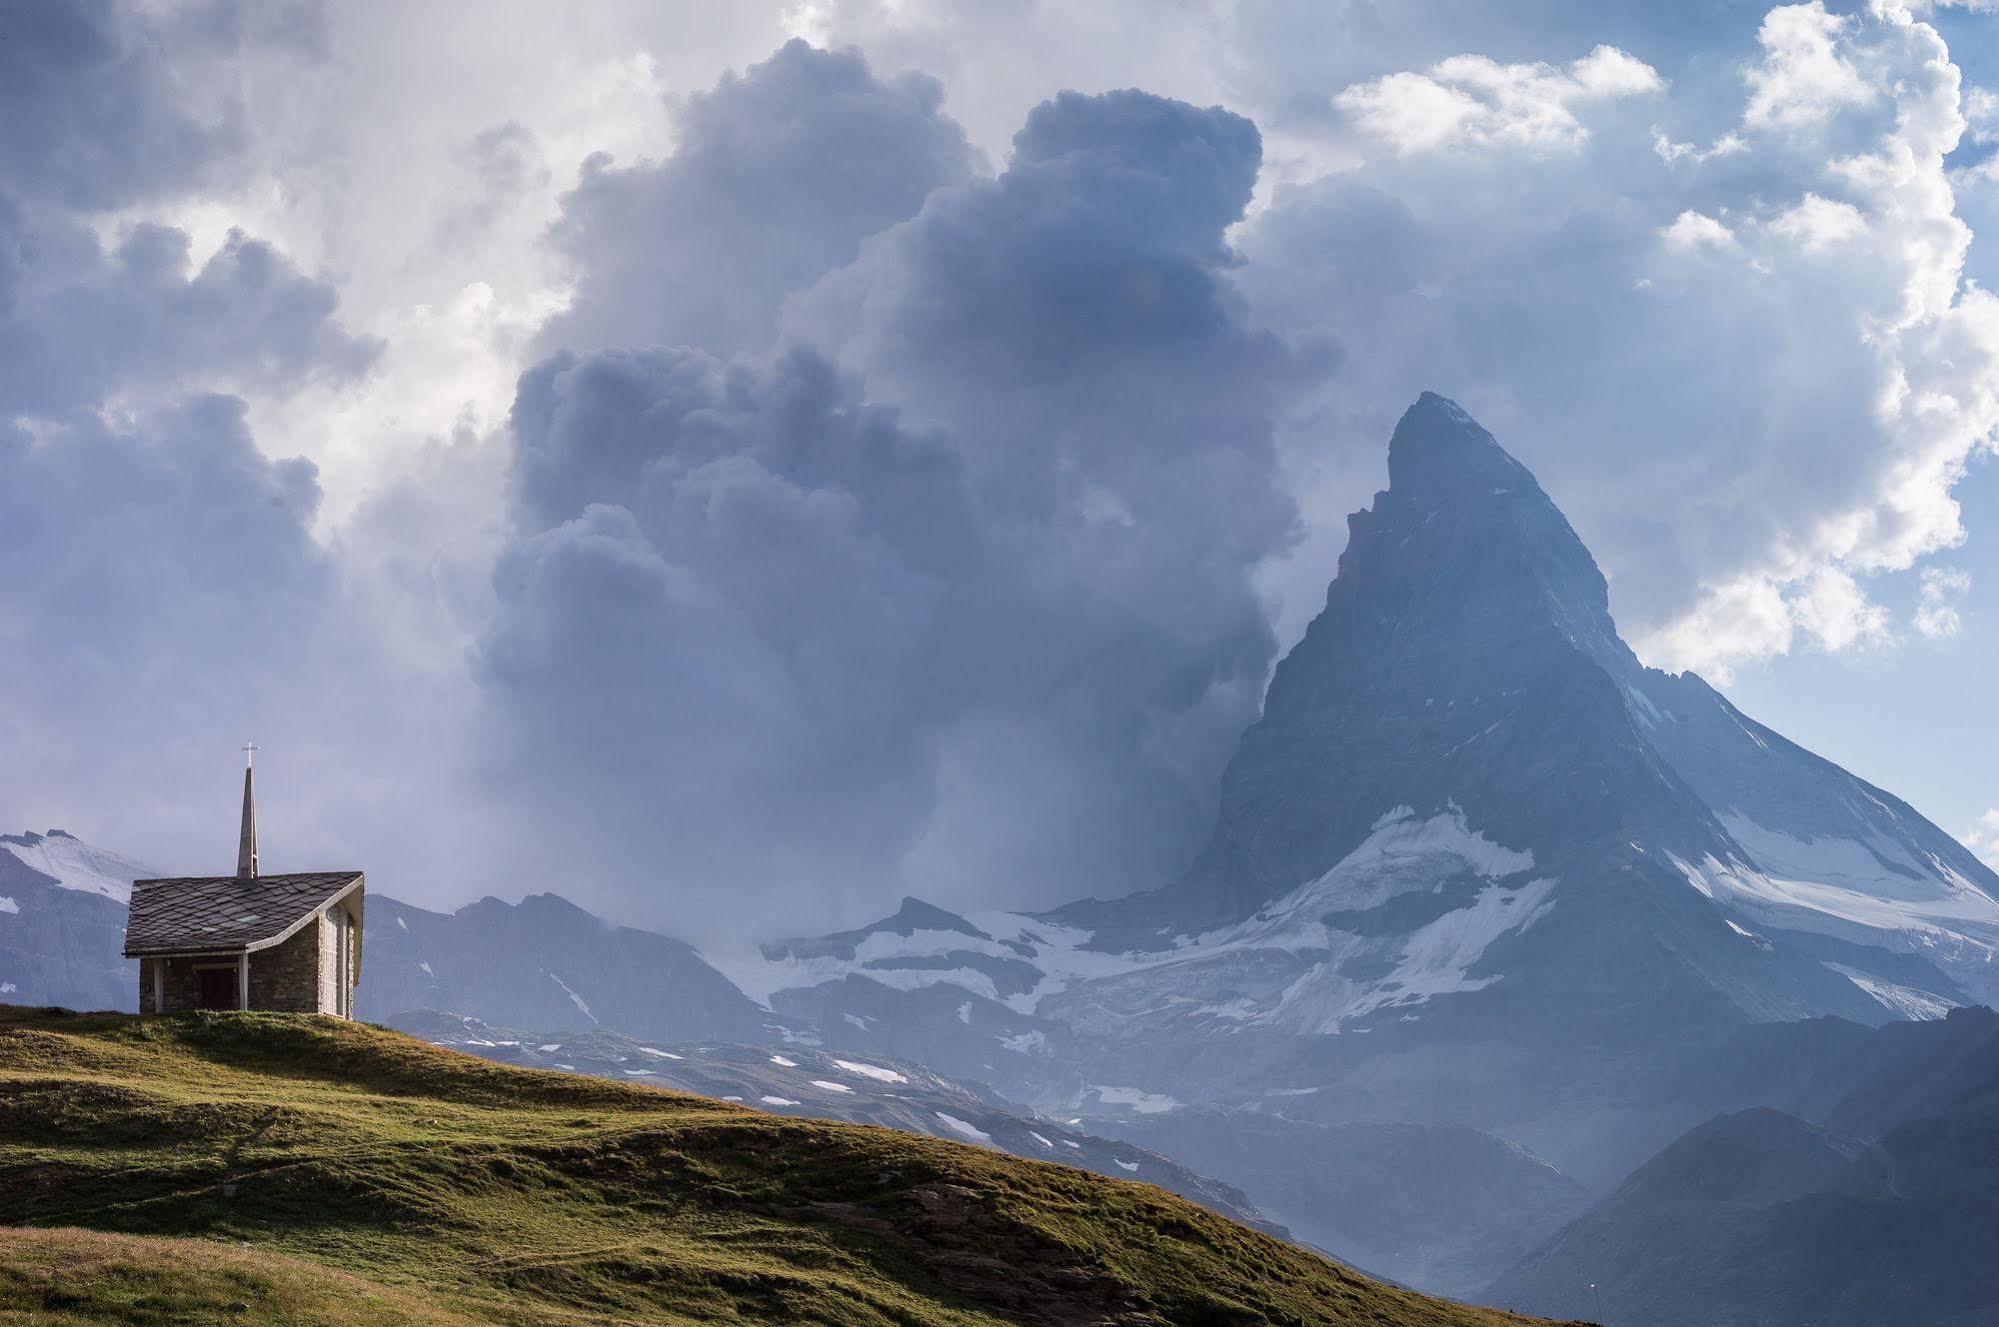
(106,102)
(776,177)
(78,321)
(738,614)
(165,527)
(761,632)
(163,591)
(107,105)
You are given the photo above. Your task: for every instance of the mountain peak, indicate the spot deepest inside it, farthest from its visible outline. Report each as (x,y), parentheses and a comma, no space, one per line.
(1437,446)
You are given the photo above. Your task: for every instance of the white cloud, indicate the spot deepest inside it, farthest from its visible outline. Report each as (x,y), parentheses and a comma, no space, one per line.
(1754,618)
(1936,608)
(1752,388)
(1816,224)
(1983,838)
(1805,75)
(1476,101)
(1838,613)
(1981,108)
(1933,337)
(1742,621)
(1670,152)
(1692,231)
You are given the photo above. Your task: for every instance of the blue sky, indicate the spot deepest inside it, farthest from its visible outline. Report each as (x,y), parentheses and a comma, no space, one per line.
(788,455)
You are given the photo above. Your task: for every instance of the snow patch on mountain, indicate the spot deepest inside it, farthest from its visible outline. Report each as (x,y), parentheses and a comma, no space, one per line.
(1301,965)
(1942,910)
(1142,1102)
(77,865)
(574,998)
(1292,965)
(1823,888)
(1903,1001)
(965,1129)
(873,1071)
(1876,866)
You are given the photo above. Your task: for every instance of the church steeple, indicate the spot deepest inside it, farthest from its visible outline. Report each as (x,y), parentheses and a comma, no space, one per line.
(246,849)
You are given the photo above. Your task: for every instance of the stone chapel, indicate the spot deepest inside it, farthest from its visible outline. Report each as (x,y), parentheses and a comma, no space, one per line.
(248,941)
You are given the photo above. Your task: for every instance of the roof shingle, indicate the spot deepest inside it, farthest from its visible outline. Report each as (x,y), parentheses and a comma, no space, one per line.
(207,914)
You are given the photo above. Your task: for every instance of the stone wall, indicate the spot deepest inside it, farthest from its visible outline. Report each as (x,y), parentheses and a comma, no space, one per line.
(183,986)
(286,977)
(329,960)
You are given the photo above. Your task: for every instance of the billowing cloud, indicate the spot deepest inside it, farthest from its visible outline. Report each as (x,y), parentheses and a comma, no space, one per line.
(175,596)
(831,397)
(79,324)
(163,589)
(968,608)
(105,102)
(1752,375)
(1807,73)
(776,177)
(1476,101)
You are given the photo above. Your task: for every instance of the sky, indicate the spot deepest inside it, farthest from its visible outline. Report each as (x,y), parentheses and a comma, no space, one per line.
(737,464)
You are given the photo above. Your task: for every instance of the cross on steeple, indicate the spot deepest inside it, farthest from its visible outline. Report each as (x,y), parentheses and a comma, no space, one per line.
(246,846)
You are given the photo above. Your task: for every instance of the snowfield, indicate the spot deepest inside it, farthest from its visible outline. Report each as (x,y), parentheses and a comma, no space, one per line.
(1281,968)
(965,1129)
(1872,892)
(76,865)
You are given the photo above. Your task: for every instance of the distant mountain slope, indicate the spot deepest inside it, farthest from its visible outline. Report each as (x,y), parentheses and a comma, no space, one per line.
(1882,1209)
(546,963)
(1439,1206)
(798,1081)
(74,864)
(505,1194)
(62,923)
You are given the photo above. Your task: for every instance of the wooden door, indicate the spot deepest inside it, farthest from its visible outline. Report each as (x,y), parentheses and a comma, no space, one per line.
(218,987)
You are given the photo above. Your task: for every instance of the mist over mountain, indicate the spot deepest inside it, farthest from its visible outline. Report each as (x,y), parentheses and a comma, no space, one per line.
(1866,1198)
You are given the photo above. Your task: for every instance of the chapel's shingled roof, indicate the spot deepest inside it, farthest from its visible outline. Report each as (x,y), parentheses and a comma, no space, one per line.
(222,913)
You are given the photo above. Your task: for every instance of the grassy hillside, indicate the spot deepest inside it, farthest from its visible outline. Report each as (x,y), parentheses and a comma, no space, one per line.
(439,1188)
